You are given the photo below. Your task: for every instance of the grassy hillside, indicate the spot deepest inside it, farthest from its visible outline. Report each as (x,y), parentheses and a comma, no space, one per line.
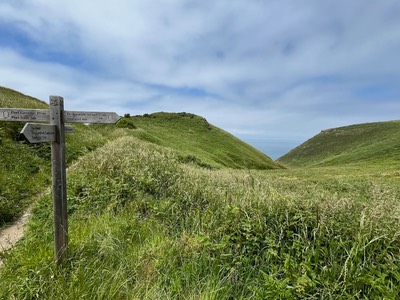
(144,225)
(370,143)
(23,169)
(26,167)
(153,214)
(13,99)
(198,141)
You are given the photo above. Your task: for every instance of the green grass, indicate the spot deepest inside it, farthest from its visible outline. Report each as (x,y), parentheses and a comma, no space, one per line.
(193,137)
(13,99)
(154,214)
(197,141)
(144,225)
(370,143)
(23,168)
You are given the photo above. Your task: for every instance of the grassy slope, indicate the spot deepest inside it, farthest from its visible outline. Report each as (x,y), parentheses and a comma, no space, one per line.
(23,169)
(372,143)
(199,141)
(26,168)
(14,99)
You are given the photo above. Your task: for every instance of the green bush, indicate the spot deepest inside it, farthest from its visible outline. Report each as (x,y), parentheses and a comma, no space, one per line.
(126,123)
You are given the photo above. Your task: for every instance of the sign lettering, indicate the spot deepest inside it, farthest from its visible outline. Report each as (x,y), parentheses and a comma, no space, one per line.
(43,115)
(40,133)
(24,115)
(90,117)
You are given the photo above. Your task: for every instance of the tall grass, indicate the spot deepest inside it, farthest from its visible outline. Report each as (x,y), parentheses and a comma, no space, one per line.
(26,168)
(144,225)
(23,175)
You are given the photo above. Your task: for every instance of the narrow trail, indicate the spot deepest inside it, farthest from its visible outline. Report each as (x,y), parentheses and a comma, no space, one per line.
(12,234)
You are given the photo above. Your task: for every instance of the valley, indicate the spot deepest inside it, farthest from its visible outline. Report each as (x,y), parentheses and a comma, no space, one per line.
(167,206)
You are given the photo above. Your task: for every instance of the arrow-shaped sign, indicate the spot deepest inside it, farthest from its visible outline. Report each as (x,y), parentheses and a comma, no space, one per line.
(40,133)
(90,117)
(43,115)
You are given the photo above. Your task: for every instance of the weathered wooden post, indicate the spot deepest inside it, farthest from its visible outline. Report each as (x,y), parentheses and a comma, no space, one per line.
(59,179)
(55,133)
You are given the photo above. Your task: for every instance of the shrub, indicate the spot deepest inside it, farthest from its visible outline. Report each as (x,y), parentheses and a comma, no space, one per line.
(126,123)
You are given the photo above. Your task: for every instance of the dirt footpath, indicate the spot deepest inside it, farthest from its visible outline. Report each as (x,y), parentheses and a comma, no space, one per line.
(9,236)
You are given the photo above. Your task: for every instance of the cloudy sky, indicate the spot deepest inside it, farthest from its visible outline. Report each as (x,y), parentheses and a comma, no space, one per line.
(271,72)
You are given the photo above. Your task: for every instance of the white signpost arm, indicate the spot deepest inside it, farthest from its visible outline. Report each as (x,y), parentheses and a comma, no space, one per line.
(59,179)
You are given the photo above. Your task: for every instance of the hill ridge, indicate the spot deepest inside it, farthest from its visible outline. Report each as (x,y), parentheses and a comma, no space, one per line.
(372,142)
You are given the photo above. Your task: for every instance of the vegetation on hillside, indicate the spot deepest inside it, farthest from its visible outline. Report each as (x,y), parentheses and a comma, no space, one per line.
(143,225)
(23,169)
(161,208)
(198,141)
(13,99)
(26,170)
(370,143)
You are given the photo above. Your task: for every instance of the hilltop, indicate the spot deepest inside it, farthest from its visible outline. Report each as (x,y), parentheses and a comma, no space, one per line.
(369,143)
(198,141)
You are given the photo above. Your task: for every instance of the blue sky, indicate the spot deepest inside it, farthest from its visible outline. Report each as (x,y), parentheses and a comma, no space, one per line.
(274,73)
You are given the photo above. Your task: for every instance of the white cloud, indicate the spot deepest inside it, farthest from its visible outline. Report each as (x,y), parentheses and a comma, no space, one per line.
(276,68)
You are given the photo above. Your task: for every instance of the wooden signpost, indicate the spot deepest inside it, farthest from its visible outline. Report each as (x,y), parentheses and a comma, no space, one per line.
(54,132)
